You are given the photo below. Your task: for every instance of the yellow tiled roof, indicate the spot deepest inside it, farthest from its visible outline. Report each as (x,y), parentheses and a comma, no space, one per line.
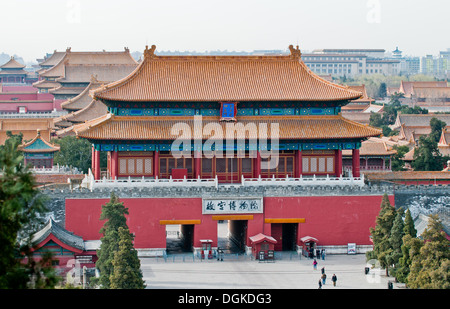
(111,127)
(223,78)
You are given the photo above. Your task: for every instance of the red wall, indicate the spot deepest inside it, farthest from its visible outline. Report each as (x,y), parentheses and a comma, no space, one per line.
(333,220)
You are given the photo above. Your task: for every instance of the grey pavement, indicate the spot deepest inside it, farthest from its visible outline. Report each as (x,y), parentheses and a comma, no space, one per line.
(290,271)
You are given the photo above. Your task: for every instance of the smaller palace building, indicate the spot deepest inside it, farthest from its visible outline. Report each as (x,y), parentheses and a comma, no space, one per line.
(38,152)
(249,122)
(70,253)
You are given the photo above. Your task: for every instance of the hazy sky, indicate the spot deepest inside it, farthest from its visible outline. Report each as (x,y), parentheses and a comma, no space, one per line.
(31,28)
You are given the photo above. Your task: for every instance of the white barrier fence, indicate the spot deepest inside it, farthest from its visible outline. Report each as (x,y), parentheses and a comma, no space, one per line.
(90,183)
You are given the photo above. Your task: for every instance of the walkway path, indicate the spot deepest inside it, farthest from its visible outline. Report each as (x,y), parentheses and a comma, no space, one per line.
(297,273)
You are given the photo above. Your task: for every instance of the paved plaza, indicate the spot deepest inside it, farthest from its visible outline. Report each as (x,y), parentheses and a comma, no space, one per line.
(180,270)
(238,272)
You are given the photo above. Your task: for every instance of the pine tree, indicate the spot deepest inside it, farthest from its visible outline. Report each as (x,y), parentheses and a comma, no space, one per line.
(21,206)
(381,233)
(396,239)
(127,272)
(430,269)
(409,228)
(114,213)
(408,240)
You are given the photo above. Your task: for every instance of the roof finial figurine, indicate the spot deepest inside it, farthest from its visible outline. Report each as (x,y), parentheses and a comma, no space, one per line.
(295,52)
(149,52)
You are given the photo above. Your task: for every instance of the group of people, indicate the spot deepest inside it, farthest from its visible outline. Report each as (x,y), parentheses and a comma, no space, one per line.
(317,253)
(323,278)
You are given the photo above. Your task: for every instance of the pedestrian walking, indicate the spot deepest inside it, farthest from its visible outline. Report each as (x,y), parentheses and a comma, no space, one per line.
(315,264)
(323,270)
(324,278)
(320,284)
(334,279)
(323,254)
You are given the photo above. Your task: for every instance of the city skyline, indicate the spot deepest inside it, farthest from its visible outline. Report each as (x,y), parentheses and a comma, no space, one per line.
(34,29)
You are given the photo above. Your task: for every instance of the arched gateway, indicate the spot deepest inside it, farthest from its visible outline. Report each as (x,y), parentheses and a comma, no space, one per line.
(232,119)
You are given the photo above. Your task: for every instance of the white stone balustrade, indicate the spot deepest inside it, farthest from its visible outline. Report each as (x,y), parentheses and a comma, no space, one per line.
(90,183)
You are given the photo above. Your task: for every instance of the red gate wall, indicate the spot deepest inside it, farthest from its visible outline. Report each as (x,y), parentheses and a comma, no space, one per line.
(334,220)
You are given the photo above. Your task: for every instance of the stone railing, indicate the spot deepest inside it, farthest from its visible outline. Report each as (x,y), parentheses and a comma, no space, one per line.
(305,181)
(55,169)
(90,183)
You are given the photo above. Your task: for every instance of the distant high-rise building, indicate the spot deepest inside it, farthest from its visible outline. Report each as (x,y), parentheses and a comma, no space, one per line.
(428,65)
(351,62)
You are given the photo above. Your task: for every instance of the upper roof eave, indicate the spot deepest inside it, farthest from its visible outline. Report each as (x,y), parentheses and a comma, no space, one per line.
(209,75)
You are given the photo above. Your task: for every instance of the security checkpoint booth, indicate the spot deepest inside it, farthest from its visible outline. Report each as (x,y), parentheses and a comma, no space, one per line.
(206,251)
(263,246)
(309,245)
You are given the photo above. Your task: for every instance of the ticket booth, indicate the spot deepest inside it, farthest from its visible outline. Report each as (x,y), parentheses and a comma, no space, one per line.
(262,245)
(206,251)
(309,244)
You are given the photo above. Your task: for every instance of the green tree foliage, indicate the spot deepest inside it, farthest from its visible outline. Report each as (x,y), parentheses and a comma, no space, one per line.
(383,249)
(127,272)
(382,92)
(409,228)
(397,164)
(73,152)
(21,206)
(397,233)
(404,262)
(427,156)
(430,267)
(114,213)
(436,128)
(410,248)
(390,112)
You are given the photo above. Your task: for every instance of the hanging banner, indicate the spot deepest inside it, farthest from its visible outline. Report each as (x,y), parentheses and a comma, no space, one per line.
(232,206)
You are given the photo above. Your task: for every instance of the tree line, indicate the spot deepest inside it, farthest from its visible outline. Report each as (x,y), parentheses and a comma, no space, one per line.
(22,212)
(419,261)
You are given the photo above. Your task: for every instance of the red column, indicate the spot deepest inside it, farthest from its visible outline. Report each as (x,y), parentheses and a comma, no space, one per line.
(338,163)
(114,166)
(257,164)
(93,160)
(355,163)
(298,164)
(197,164)
(156,164)
(97,164)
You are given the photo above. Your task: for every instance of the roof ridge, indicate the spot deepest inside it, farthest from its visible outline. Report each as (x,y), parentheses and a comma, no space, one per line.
(296,91)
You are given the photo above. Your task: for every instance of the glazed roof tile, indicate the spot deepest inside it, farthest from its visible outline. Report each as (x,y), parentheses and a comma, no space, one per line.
(12,64)
(38,145)
(80,73)
(223,78)
(60,233)
(88,58)
(82,100)
(407,88)
(372,148)
(111,127)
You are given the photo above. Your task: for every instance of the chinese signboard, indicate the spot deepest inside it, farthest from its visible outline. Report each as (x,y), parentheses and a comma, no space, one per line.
(232,206)
(228,111)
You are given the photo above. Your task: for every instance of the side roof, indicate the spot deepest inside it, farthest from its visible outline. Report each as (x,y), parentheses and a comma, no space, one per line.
(38,144)
(85,58)
(52,228)
(12,64)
